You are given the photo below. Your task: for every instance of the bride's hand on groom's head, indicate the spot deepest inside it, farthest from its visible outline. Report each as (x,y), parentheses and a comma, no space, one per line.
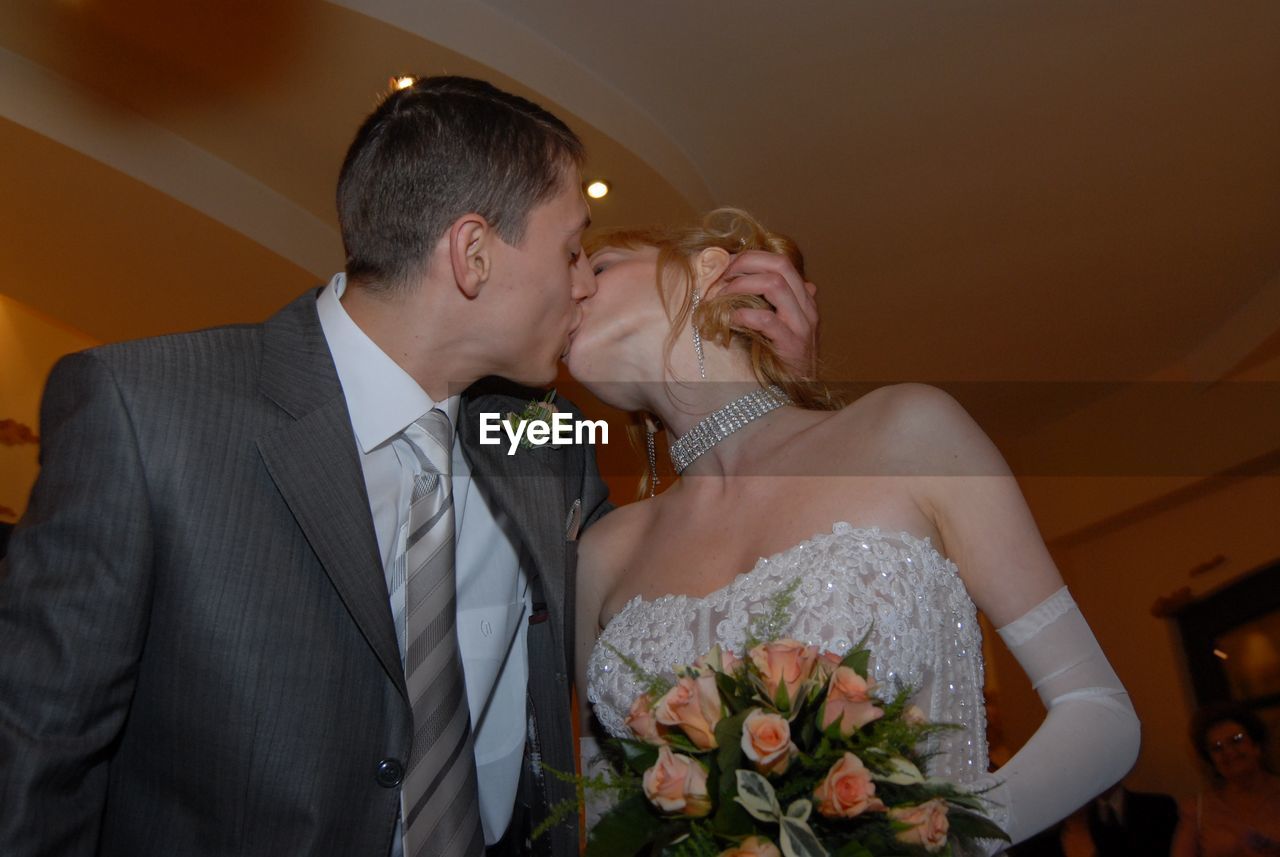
(792,324)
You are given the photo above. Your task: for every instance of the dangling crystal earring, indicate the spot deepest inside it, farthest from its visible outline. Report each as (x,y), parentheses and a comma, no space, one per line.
(650,430)
(697,337)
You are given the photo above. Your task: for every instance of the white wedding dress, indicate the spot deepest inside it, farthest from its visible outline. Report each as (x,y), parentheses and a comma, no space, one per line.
(923,626)
(924,635)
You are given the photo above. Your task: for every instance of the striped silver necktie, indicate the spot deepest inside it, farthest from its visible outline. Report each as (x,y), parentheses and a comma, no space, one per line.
(439,797)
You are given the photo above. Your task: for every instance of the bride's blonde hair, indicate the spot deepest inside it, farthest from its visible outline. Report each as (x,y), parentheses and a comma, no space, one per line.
(734,231)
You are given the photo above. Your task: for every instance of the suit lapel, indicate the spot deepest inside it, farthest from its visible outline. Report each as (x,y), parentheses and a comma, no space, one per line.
(530,492)
(315,465)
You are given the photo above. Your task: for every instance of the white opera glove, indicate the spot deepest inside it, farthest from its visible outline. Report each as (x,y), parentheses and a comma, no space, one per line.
(1089,738)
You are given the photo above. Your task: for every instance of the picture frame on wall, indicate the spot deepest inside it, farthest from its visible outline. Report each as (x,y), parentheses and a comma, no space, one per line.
(1231,639)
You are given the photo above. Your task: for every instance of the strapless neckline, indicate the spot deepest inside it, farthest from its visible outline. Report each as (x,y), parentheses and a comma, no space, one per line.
(837,530)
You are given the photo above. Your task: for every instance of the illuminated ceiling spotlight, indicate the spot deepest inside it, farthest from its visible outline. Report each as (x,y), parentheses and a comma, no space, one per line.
(597,189)
(402,82)
(1220,654)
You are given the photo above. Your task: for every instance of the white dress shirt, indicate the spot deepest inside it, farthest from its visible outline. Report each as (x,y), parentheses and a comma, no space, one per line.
(493,590)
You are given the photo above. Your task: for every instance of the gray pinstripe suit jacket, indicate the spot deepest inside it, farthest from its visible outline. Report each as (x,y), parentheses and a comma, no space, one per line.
(196,650)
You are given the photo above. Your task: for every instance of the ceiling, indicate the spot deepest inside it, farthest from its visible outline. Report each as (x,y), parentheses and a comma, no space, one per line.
(1056,204)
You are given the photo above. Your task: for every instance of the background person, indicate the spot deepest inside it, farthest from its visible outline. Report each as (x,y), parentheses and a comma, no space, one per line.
(1239,814)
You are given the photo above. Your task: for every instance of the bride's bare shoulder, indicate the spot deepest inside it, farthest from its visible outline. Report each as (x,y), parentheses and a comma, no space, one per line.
(894,407)
(896,402)
(913,422)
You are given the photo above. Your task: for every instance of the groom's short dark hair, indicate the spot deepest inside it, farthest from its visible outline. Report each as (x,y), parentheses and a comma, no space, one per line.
(434,151)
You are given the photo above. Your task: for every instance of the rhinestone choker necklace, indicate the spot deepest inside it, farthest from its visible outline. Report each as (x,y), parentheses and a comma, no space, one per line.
(718,425)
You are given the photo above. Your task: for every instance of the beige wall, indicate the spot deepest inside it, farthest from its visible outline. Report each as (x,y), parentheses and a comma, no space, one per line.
(30,343)
(1118,572)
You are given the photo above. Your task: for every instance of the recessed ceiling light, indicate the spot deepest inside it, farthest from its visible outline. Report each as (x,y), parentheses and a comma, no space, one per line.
(402,82)
(597,189)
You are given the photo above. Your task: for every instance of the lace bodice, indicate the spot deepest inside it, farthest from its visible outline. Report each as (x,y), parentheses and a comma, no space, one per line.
(924,630)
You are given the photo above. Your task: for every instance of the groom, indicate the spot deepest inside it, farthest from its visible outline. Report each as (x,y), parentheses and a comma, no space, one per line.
(207,615)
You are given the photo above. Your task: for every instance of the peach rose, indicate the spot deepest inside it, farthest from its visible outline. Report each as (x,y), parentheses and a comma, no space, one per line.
(693,704)
(928,824)
(849,702)
(766,741)
(827,663)
(784,663)
(642,723)
(677,785)
(752,846)
(847,790)
(913,715)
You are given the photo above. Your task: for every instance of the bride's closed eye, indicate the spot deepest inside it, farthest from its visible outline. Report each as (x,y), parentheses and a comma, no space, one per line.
(601,261)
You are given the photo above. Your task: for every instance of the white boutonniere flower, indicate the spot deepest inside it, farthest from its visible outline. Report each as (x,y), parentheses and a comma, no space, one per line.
(537,411)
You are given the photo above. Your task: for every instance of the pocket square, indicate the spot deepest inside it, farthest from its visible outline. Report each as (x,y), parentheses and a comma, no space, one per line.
(573,521)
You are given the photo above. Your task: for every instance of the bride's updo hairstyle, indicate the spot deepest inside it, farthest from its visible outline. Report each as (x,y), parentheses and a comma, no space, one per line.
(734,231)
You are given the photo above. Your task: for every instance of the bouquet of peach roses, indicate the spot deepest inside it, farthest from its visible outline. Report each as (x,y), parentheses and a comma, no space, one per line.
(787,750)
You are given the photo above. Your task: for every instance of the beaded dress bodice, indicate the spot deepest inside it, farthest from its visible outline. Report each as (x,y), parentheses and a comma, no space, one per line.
(923,631)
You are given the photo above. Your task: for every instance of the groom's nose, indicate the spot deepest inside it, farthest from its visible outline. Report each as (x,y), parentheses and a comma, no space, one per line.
(583,279)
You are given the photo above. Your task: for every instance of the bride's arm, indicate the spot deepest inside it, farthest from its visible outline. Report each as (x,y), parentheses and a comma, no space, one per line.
(603,556)
(594,581)
(1089,738)
(589,597)
(606,555)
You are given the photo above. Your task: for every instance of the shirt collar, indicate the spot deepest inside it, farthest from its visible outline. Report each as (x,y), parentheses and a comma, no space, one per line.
(382,398)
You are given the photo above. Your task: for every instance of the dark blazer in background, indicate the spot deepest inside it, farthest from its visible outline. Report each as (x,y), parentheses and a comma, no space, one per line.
(199,655)
(1146,829)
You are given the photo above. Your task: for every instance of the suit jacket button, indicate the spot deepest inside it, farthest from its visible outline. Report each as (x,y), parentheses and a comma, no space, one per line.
(389,773)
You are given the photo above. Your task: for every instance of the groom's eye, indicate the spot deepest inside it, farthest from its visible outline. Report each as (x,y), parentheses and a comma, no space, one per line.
(574,257)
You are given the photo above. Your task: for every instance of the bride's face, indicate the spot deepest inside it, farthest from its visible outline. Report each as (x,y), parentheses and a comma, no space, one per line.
(624,324)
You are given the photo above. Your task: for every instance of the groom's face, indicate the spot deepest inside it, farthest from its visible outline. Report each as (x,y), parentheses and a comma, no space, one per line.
(543,278)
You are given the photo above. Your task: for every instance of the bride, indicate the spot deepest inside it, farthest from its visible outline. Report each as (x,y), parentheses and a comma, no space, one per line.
(896,515)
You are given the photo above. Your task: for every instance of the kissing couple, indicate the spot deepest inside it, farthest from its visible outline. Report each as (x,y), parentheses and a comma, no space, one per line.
(271,595)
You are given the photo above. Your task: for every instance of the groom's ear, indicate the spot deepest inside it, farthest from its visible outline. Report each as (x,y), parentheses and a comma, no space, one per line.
(709,267)
(471,240)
